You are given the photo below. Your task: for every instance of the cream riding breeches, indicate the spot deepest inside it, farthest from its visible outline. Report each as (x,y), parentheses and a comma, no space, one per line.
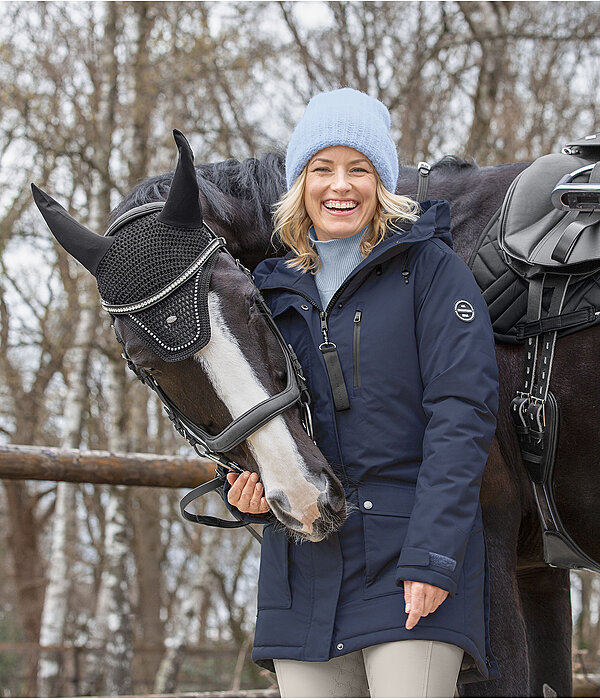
(408,668)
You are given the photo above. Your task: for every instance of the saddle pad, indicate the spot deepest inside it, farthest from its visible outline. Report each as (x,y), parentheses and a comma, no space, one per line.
(506,293)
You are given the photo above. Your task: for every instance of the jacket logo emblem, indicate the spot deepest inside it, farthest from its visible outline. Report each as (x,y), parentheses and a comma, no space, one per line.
(464,310)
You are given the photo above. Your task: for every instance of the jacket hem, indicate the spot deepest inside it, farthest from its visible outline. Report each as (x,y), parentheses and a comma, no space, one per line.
(263,655)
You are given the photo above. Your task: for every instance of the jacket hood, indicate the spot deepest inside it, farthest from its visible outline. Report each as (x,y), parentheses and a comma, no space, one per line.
(434,222)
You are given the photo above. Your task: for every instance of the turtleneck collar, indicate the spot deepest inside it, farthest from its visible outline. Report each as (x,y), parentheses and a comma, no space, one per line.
(339,256)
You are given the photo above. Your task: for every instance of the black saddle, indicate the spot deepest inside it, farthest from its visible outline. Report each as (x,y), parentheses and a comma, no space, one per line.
(538,266)
(517,246)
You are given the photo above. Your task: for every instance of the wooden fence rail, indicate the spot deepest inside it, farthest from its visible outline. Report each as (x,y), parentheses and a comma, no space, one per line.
(96,467)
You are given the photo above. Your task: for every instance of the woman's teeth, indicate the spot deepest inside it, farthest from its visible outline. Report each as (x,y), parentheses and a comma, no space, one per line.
(340,205)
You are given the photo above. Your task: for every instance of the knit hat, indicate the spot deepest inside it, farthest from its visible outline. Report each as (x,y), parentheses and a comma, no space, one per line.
(344,117)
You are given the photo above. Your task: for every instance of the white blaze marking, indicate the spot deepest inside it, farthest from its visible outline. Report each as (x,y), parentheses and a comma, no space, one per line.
(238,387)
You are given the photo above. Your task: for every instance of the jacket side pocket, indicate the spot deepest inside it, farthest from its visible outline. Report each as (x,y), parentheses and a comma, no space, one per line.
(386,511)
(273,575)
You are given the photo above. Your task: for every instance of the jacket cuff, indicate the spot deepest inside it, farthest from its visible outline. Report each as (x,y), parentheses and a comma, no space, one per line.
(246,517)
(415,564)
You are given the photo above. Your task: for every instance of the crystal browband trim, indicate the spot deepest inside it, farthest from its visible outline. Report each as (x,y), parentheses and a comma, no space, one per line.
(214,245)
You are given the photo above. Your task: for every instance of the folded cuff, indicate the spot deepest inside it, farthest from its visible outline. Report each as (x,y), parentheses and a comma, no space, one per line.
(415,564)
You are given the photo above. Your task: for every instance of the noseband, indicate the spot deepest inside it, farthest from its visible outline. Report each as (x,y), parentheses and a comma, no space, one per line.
(215,447)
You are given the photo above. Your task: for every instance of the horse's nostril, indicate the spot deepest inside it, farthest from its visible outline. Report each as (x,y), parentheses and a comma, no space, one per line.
(278,501)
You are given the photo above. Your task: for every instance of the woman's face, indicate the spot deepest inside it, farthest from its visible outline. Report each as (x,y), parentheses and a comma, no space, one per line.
(340,195)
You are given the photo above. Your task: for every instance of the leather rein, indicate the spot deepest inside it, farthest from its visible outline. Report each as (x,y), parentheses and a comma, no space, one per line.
(215,447)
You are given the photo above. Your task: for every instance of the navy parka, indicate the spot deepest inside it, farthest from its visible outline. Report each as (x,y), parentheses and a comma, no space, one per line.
(416,347)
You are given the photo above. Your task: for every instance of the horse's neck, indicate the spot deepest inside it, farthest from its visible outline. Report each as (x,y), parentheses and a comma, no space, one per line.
(474,195)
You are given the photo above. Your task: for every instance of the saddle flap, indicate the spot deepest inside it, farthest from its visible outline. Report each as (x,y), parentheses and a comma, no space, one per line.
(533,232)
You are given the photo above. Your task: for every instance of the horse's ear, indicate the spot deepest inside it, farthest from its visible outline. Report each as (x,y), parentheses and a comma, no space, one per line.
(84,245)
(182,207)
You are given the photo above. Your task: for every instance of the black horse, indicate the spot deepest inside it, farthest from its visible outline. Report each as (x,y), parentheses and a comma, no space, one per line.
(530,621)
(530,616)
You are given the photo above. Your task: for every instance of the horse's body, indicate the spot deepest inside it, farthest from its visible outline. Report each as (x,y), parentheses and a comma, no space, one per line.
(530,620)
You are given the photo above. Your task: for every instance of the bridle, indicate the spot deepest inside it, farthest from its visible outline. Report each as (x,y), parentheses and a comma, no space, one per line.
(215,447)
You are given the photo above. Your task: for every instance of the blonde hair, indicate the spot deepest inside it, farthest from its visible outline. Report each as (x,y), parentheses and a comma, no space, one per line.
(291,222)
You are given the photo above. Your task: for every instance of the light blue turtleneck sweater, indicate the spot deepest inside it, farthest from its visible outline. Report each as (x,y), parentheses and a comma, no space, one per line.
(339,257)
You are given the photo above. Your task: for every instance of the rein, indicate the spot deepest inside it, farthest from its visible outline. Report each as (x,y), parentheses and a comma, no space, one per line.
(215,447)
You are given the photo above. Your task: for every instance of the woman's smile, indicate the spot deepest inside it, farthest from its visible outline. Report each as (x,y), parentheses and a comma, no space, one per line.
(341,192)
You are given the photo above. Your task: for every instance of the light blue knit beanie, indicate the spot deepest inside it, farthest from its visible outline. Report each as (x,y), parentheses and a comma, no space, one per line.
(344,117)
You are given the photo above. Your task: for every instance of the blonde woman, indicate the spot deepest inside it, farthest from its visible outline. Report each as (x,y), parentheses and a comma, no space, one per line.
(397,346)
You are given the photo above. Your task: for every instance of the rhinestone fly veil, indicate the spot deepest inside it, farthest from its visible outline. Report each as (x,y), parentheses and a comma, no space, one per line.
(161,265)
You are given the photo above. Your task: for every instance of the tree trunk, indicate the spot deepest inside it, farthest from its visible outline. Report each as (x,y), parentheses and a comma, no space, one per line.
(111,635)
(487,21)
(185,628)
(64,525)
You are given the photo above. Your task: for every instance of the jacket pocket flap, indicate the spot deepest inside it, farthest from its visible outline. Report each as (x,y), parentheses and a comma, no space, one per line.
(413,556)
(386,499)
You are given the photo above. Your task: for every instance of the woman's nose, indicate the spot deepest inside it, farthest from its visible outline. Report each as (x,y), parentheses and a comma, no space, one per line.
(340,182)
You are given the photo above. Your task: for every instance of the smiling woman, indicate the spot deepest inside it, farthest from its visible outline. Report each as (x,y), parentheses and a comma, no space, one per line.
(404,393)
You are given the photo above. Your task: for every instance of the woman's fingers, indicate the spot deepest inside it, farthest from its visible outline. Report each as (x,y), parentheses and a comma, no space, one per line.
(421,599)
(246,492)
(407,592)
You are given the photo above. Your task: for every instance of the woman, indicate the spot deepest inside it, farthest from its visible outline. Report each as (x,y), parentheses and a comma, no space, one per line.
(392,602)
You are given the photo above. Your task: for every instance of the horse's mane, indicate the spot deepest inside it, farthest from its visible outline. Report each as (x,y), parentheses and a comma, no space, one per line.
(450,162)
(254,184)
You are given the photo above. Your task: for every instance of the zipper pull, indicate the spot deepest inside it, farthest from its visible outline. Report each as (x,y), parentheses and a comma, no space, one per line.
(324,329)
(357,316)
(334,368)
(405,271)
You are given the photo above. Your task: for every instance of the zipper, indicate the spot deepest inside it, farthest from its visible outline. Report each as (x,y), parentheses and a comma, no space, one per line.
(322,314)
(356,347)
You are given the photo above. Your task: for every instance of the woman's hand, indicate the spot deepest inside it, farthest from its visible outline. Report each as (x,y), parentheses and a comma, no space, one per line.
(421,599)
(245,493)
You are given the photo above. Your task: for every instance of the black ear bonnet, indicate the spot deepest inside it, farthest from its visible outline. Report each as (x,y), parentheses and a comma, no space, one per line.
(156,277)
(153,264)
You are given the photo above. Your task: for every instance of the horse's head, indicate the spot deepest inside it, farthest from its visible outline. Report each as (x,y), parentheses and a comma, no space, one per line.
(194,327)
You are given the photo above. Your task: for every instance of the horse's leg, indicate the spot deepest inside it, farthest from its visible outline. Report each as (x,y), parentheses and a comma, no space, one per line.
(501,506)
(546,601)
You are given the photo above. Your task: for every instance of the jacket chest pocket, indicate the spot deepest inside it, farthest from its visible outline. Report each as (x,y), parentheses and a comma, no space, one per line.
(273,575)
(386,511)
(357,322)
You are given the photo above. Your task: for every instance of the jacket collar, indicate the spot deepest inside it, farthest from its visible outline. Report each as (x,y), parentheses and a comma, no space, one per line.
(434,222)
